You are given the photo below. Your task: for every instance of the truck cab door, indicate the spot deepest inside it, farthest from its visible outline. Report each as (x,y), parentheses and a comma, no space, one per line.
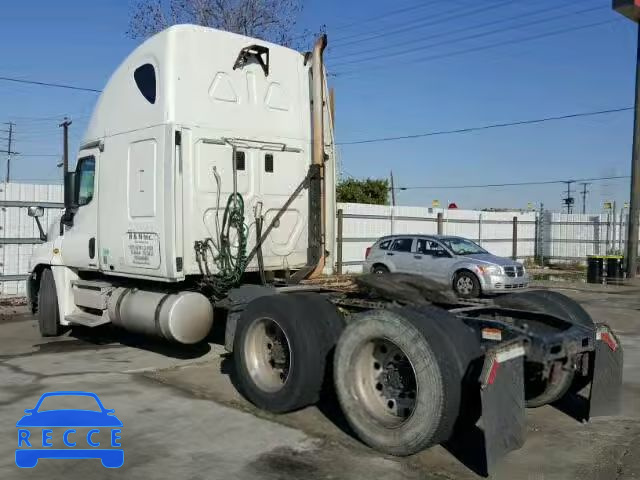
(79,246)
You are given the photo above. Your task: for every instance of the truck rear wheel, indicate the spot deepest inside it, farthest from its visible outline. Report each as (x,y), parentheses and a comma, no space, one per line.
(281,350)
(48,314)
(540,391)
(397,381)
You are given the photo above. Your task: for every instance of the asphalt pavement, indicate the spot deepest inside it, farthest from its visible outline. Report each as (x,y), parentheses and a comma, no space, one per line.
(182,417)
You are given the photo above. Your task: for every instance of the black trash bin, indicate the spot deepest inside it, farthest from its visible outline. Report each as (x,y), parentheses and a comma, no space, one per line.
(595,268)
(614,269)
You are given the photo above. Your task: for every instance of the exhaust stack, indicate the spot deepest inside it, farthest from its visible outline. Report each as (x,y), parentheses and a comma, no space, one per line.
(318,154)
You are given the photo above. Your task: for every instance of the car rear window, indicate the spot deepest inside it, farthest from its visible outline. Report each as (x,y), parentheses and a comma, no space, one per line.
(402,245)
(384,245)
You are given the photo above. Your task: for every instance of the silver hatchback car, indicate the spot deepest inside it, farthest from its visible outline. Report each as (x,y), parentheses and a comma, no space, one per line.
(468,268)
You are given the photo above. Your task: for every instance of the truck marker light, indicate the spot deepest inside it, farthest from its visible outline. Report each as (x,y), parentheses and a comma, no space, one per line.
(56,251)
(604,335)
(492,334)
(509,353)
(495,358)
(493,372)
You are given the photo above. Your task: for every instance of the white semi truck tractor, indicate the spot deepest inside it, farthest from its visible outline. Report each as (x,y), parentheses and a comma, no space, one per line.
(204,191)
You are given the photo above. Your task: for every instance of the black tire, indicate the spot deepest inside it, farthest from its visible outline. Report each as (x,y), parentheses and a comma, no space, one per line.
(379,269)
(541,392)
(47,309)
(437,368)
(311,327)
(473,290)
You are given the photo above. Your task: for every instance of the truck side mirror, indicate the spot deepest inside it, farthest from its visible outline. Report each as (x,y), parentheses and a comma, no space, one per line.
(35,211)
(70,205)
(70,190)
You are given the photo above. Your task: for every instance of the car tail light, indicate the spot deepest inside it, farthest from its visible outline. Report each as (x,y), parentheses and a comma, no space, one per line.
(367,252)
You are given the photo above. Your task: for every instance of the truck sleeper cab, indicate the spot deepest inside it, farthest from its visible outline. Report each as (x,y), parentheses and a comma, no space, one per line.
(193,116)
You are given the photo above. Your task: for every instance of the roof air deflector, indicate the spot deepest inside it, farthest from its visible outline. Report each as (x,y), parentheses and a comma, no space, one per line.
(257,52)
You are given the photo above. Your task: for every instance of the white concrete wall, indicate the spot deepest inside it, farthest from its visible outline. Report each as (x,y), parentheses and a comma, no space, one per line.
(571,237)
(18,231)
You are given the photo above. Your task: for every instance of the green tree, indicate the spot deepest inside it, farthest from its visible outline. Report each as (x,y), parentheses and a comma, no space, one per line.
(371,191)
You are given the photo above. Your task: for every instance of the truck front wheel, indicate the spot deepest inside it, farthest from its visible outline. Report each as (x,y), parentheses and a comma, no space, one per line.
(47,310)
(281,349)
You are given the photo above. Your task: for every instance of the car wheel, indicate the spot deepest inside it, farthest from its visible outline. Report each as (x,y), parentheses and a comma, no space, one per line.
(466,285)
(379,269)
(47,311)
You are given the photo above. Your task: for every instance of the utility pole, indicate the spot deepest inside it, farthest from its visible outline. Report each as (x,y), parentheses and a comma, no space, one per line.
(568,200)
(393,191)
(9,151)
(631,9)
(584,197)
(65,159)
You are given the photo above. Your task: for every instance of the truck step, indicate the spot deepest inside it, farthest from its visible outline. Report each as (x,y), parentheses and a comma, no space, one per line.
(87,319)
(91,294)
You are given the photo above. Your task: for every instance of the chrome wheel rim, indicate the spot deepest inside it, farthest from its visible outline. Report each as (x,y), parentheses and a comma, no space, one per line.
(464,285)
(267,354)
(385,382)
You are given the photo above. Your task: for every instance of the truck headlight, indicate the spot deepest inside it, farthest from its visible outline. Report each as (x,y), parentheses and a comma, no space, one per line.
(490,269)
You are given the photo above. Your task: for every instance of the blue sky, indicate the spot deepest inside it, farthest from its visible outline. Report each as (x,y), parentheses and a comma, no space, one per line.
(81,43)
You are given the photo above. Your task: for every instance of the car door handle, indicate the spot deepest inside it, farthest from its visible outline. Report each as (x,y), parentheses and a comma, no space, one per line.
(417,256)
(390,254)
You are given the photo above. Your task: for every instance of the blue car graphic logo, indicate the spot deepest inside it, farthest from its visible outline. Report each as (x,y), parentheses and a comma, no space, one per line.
(81,433)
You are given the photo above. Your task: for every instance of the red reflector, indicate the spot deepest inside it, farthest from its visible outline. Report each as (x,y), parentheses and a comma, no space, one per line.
(493,372)
(608,339)
(367,252)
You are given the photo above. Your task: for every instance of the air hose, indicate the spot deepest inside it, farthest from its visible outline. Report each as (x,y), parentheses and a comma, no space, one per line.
(230,264)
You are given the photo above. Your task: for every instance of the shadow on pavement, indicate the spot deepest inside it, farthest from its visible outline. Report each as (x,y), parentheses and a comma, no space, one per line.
(327,404)
(109,335)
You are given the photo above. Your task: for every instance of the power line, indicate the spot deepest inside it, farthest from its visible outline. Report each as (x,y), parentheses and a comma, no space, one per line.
(515,184)
(39,155)
(487,127)
(421,24)
(459,30)
(48,84)
(483,47)
(376,17)
(465,38)
(383,15)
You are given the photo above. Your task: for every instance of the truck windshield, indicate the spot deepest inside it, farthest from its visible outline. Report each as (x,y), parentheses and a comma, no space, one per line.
(462,246)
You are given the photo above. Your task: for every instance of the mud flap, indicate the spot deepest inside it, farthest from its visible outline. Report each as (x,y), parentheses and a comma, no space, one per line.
(502,396)
(606,385)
